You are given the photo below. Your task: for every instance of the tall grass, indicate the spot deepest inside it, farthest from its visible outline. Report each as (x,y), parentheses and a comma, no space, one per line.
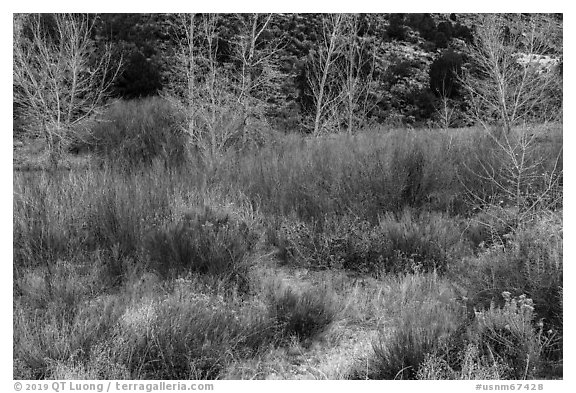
(144,264)
(427,317)
(190,338)
(120,220)
(366,174)
(134,133)
(399,243)
(433,335)
(204,241)
(529,263)
(147,334)
(76,212)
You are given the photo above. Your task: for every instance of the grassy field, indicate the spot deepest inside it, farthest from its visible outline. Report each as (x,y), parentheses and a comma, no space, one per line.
(358,257)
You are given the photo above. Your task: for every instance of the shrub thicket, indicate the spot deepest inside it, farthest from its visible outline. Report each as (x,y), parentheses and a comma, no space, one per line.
(402,243)
(436,339)
(529,262)
(137,132)
(191,338)
(425,318)
(507,335)
(302,315)
(204,241)
(500,343)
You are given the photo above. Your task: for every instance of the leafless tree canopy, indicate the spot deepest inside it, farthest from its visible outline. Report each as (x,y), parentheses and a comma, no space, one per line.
(506,82)
(57,81)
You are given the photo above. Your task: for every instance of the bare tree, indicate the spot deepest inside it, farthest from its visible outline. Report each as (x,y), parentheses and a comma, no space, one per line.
(321,66)
(183,86)
(59,77)
(198,86)
(259,72)
(445,112)
(511,92)
(214,96)
(501,86)
(356,74)
(219,99)
(445,109)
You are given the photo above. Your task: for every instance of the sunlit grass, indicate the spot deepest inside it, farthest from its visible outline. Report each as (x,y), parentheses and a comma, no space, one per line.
(317,258)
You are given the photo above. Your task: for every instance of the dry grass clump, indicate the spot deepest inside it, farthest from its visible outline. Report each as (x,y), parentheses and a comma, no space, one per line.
(406,242)
(432,334)
(529,262)
(205,241)
(501,343)
(189,338)
(303,315)
(422,317)
(134,133)
(43,340)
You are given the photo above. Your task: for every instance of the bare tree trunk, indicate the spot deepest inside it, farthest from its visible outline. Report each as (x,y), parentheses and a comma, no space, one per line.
(247,54)
(325,61)
(191,76)
(356,72)
(217,99)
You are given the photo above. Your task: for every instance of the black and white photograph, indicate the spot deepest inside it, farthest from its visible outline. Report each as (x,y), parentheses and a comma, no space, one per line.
(286,196)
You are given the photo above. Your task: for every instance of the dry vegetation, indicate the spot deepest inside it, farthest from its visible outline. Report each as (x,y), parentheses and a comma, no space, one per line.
(353,256)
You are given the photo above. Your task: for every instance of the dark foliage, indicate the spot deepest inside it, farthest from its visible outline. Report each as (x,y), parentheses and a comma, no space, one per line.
(443,75)
(146,43)
(303,315)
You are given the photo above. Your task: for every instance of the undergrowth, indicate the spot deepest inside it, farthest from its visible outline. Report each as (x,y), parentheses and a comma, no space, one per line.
(145,265)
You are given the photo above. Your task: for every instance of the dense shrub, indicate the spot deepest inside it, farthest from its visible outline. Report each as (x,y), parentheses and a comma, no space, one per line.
(67,215)
(398,244)
(400,355)
(191,338)
(370,203)
(435,338)
(205,241)
(491,226)
(136,132)
(93,215)
(142,332)
(444,73)
(507,335)
(298,243)
(425,318)
(428,241)
(530,262)
(302,315)
(500,343)
(43,338)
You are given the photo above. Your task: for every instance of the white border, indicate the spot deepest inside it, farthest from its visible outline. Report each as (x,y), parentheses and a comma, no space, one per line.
(291,6)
